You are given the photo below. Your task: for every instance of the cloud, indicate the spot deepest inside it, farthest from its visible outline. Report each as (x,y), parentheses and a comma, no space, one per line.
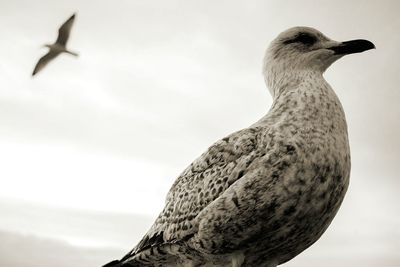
(79,227)
(18,250)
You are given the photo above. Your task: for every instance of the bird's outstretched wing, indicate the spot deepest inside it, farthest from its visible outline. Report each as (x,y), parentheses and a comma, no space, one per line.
(43,61)
(63,32)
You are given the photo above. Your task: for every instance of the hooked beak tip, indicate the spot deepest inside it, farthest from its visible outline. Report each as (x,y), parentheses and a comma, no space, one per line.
(353,46)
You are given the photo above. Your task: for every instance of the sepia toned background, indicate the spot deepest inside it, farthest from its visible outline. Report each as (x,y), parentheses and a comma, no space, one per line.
(90,146)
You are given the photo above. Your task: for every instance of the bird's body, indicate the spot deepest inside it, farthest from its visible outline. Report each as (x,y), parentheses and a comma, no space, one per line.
(57,48)
(60,45)
(262,195)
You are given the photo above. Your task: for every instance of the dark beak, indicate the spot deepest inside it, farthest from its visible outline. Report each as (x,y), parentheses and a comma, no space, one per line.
(351,47)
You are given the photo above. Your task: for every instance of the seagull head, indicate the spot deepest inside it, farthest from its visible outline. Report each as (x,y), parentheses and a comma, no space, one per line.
(301,50)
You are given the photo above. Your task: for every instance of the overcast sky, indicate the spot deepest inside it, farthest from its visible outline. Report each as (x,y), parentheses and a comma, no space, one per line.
(156,83)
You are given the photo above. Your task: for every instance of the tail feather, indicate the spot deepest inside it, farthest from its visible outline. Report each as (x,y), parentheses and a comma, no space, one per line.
(118,263)
(72,53)
(115,263)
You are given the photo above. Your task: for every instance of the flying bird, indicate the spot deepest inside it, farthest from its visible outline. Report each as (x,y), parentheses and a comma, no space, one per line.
(58,47)
(264,194)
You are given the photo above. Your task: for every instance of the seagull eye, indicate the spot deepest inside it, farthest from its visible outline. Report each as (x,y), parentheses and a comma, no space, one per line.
(303,38)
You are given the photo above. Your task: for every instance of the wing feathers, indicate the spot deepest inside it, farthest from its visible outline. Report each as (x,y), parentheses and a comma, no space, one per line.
(43,61)
(201,183)
(65,29)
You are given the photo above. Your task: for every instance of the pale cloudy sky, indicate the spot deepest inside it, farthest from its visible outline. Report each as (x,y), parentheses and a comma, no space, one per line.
(155,84)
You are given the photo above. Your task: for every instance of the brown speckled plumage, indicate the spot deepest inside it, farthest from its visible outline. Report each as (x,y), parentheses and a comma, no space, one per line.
(262,195)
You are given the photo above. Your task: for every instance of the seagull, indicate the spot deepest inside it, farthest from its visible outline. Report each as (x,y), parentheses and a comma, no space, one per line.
(58,47)
(263,194)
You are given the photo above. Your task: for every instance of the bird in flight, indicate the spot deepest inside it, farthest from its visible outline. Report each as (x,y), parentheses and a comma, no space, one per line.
(58,47)
(264,194)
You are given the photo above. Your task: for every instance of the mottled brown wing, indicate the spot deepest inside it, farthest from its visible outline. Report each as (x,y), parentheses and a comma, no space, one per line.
(65,29)
(201,183)
(43,61)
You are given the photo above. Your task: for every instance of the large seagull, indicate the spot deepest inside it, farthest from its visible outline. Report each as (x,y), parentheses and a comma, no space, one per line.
(58,47)
(264,194)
